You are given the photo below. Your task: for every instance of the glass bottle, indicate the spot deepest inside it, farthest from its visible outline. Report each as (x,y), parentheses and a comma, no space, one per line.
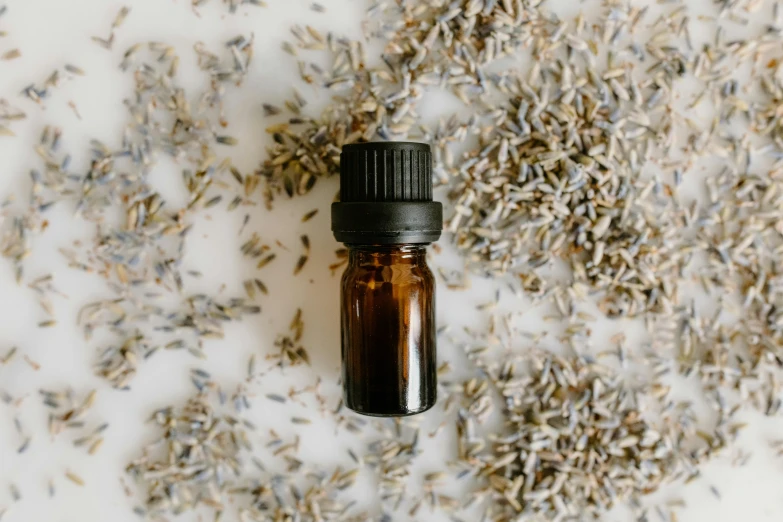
(386,218)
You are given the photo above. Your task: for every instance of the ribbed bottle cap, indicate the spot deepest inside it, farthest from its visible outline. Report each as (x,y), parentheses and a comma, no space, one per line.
(386,195)
(390,171)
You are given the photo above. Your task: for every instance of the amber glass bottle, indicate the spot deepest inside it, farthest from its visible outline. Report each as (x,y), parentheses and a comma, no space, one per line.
(386,217)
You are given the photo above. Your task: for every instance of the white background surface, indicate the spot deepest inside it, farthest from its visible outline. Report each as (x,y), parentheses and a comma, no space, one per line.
(51,33)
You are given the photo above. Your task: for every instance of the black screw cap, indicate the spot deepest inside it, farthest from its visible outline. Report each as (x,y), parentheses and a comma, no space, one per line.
(392,171)
(386,195)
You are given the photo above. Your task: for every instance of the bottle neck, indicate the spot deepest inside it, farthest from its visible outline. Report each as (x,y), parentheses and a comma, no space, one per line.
(387,254)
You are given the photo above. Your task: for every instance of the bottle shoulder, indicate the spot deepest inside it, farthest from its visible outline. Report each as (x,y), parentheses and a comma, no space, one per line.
(418,274)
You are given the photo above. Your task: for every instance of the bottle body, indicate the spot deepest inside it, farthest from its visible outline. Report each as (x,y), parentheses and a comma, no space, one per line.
(388,330)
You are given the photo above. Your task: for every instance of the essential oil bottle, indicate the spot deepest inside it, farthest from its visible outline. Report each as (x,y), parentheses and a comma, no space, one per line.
(386,218)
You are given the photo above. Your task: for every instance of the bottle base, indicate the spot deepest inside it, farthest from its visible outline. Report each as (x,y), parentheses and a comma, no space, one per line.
(398,413)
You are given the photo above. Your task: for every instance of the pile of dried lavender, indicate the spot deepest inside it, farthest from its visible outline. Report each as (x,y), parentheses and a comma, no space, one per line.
(551,181)
(197,458)
(579,437)
(560,164)
(581,160)
(199,461)
(141,257)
